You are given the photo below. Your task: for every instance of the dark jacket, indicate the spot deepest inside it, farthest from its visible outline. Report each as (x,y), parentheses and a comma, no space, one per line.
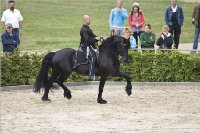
(87,38)
(8,42)
(165,42)
(196,15)
(169,13)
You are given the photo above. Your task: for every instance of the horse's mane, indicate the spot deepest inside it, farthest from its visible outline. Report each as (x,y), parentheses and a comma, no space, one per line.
(110,42)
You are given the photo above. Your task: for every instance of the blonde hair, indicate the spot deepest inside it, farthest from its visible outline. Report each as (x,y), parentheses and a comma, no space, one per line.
(165,27)
(128,29)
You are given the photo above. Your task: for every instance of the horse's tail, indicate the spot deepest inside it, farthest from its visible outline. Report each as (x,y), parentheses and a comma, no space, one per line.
(42,77)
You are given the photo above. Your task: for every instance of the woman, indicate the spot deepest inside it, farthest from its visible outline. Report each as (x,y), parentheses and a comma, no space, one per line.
(147,38)
(165,39)
(136,20)
(129,39)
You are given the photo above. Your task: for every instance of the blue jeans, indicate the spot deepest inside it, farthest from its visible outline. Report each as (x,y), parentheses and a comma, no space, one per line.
(136,35)
(196,37)
(15,32)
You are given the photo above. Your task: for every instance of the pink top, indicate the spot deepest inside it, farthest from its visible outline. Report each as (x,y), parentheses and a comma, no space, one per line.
(133,20)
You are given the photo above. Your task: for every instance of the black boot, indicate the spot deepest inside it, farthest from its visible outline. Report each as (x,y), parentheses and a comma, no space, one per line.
(91,72)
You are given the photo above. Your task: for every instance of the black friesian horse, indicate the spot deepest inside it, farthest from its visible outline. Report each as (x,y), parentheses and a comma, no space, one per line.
(62,62)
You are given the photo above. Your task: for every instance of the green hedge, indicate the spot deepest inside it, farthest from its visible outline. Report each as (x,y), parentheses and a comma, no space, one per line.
(147,66)
(163,67)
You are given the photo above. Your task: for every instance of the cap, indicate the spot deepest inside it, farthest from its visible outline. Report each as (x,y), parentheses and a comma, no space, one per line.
(9,25)
(136,4)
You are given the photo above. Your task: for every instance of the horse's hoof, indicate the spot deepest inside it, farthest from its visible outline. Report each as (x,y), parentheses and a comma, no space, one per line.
(68,95)
(46,99)
(102,101)
(129,91)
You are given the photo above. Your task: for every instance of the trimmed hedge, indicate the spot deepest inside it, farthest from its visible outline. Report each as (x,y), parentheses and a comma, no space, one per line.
(147,66)
(163,67)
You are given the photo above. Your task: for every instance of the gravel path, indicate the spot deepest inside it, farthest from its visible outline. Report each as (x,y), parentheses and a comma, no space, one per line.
(150,109)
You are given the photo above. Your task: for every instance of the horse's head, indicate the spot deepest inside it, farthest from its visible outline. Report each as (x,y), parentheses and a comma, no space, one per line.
(116,45)
(121,48)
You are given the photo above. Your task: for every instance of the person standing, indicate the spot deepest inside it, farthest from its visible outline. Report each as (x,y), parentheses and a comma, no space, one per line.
(8,41)
(174,19)
(14,17)
(117,17)
(196,22)
(136,20)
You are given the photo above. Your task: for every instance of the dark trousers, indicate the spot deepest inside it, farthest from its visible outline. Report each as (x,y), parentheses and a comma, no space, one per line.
(136,35)
(196,37)
(175,31)
(92,57)
(15,32)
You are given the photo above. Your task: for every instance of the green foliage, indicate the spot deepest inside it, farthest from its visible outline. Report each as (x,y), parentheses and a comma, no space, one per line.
(163,67)
(158,66)
(18,69)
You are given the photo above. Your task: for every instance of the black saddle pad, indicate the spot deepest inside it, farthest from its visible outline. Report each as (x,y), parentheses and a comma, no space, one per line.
(81,58)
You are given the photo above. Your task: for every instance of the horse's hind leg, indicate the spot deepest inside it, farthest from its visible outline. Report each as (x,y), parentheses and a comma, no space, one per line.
(60,80)
(48,85)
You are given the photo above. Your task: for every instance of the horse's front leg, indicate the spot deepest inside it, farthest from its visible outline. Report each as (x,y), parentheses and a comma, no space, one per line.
(101,86)
(128,79)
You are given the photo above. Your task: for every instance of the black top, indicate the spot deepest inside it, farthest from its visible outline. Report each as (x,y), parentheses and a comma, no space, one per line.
(8,42)
(87,38)
(174,19)
(165,42)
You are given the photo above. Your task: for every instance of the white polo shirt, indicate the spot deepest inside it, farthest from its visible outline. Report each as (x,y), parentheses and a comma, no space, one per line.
(12,17)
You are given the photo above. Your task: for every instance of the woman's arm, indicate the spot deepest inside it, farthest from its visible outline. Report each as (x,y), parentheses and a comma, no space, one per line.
(130,20)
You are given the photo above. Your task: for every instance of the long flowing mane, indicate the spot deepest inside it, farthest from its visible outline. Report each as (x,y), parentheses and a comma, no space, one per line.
(110,42)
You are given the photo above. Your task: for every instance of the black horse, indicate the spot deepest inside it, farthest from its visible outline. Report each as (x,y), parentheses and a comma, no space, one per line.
(62,65)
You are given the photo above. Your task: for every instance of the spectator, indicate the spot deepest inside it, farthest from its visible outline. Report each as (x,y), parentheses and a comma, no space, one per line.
(8,41)
(14,17)
(165,39)
(174,19)
(117,17)
(147,38)
(129,39)
(136,20)
(196,22)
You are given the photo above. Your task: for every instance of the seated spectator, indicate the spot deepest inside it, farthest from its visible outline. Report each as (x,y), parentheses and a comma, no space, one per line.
(165,39)
(129,39)
(147,38)
(8,41)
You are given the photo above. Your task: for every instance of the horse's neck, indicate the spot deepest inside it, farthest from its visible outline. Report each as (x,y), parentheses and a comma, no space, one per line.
(109,54)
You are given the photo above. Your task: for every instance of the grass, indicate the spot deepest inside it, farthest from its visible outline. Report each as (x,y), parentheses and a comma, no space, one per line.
(55,24)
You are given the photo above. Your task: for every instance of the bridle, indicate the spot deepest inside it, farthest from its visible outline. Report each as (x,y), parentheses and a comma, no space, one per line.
(119,54)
